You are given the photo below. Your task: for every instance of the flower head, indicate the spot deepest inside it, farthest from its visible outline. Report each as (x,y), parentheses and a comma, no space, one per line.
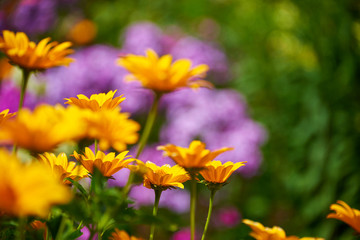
(216,173)
(96,102)
(259,232)
(108,164)
(346,214)
(62,168)
(194,157)
(4,115)
(160,74)
(26,54)
(28,189)
(112,129)
(164,177)
(122,235)
(43,129)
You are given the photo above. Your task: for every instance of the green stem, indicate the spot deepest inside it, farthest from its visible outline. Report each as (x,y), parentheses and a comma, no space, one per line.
(155,210)
(192,206)
(25,79)
(61,229)
(144,137)
(148,125)
(20,235)
(96,145)
(212,194)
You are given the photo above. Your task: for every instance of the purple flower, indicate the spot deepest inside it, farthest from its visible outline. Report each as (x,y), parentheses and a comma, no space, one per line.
(217,117)
(95,71)
(200,52)
(86,234)
(141,36)
(184,234)
(226,217)
(10,96)
(33,16)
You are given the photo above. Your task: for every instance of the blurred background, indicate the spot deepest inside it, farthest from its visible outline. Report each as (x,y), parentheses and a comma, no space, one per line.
(287,97)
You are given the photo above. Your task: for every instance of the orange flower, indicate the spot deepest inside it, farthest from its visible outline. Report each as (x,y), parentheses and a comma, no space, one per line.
(164,177)
(4,115)
(122,235)
(43,129)
(112,129)
(194,157)
(28,190)
(343,212)
(160,74)
(62,168)
(107,164)
(5,68)
(97,102)
(216,172)
(83,32)
(30,56)
(259,232)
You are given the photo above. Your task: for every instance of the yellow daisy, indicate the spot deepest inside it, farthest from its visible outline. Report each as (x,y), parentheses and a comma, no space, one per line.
(108,164)
(164,177)
(194,157)
(122,235)
(161,75)
(345,213)
(4,115)
(96,102)
(31,56)
(112,129)
(5,68)
(62,168)
(216,172)
(43,129)
(28,189)
(259,232)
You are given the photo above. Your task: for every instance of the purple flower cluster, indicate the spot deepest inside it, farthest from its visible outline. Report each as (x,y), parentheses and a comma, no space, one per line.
(218,118)
(30,16)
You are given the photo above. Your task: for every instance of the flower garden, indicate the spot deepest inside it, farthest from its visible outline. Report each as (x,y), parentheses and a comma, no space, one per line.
(151,132)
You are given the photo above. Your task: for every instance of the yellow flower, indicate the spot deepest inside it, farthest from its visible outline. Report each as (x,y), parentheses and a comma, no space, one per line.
(194,157)
(43,129)
(28,189)
(164,177)
(30,56)
(96,102)
(112,129)
(259,232)
(345,213)
(122,235)
(216,172)
(108,164)
(4,115)
(161,75)
(62,168)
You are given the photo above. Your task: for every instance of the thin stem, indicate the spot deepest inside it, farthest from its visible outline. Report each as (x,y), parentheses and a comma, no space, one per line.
(20,235)
(212,194)
(155,210)
(25,79)
(96,145)
(144,137)
(192,206)
(61,229)
(148,125)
